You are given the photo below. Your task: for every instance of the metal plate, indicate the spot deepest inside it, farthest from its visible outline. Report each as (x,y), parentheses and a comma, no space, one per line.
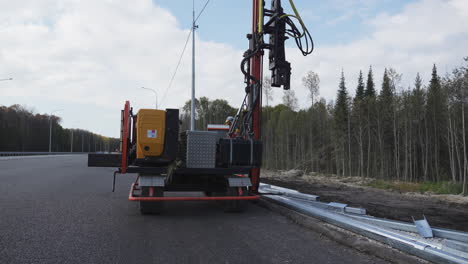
(145,180)
(239,182)
(201,149)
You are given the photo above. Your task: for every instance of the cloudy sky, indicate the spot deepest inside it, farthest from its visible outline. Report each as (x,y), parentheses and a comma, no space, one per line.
(87,57)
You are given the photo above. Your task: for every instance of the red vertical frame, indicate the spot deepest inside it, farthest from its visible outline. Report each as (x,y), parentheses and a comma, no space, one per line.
(256,71)
(125,136)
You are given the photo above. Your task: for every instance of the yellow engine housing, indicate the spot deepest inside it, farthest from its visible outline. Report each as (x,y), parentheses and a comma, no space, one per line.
(150,129)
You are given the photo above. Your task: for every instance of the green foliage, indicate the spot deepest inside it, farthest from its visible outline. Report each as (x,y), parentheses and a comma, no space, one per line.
(443,187)
(207,112)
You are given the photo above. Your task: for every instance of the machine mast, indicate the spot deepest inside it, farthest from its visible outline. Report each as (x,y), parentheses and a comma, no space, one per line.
(255,96)
(279,26)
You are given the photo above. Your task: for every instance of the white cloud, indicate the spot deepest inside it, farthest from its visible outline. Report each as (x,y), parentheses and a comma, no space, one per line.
(99,53)
(423,33)
(88,57)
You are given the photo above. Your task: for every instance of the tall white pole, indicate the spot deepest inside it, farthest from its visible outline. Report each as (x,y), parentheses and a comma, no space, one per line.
(155,94)
(192,115)
(50,133)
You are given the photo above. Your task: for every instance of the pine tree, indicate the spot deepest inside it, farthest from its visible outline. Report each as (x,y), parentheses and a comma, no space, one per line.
(342,106)
(418,106)
(358,114)
(435,115)
(434,84)
(369,113)
(386,91)
(385,115)
(370,87)
(341,121)
(360,88)
(418,82)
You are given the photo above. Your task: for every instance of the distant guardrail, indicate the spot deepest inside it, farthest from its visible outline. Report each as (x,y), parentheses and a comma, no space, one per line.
(11,153)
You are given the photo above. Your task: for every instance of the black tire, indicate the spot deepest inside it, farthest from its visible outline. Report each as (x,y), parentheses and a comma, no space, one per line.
(235,206)
(151,207)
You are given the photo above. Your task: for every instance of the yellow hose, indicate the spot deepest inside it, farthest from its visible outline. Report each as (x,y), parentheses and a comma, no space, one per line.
(298,17)
(260,16)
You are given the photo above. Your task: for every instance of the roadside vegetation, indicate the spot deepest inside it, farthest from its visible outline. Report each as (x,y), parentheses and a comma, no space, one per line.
(442,187)
(23,130)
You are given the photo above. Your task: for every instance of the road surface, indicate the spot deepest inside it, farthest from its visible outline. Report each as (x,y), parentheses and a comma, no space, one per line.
(56,210)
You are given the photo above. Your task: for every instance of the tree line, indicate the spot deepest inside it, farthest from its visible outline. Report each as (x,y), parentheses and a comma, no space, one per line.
(206,112)
(408,134)
(23,130)
(411,134)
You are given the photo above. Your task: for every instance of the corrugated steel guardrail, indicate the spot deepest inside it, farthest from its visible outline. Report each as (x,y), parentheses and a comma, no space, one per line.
(11,153)
(447,246)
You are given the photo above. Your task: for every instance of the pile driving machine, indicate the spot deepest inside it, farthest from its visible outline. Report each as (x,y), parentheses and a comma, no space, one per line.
(223,162)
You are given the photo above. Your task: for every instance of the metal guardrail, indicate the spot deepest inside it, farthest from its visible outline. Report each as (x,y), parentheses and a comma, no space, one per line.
(11,153)
(447,246)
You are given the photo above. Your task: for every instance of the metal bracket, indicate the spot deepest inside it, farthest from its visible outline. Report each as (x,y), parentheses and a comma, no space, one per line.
(354,210)
(113,180)
(337,206)
(423,227)
(276,190)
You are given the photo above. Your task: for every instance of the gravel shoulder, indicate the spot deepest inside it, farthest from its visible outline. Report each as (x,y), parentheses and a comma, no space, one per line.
(446,211)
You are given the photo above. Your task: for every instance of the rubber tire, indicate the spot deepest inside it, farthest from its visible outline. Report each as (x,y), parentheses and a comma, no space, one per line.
(235,206)
(151,207)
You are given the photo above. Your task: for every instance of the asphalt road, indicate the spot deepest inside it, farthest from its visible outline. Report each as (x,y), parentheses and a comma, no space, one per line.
(56,210)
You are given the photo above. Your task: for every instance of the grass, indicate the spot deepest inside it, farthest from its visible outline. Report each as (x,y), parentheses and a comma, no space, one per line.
(443,187)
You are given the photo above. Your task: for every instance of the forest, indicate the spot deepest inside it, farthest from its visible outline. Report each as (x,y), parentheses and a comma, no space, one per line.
(412,134)
(23,130)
